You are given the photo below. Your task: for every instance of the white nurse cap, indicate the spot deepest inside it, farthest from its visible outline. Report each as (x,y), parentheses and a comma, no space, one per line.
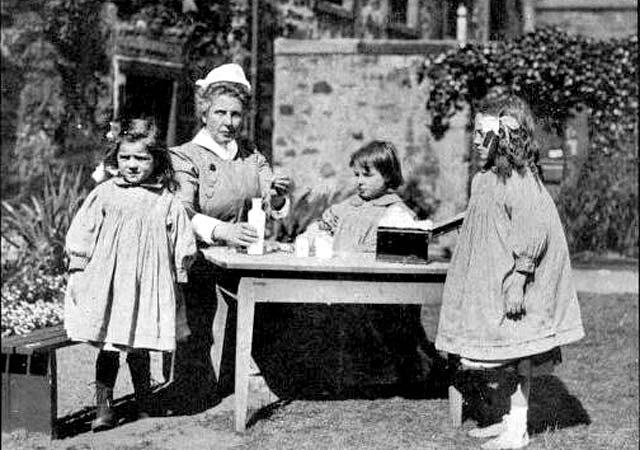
(231,73)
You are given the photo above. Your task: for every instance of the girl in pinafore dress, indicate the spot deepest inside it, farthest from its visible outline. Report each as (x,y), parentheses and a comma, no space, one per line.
(377,345)
(129,246)
(509,298)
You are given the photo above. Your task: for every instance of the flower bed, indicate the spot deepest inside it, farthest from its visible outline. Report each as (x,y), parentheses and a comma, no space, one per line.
(32,300)
(33,260)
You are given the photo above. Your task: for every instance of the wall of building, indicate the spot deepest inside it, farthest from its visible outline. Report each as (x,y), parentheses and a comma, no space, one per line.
(368,19)
(601,19)
(333,96)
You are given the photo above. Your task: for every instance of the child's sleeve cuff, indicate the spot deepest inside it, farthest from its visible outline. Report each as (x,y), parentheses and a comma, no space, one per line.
(77,262)
(525,265)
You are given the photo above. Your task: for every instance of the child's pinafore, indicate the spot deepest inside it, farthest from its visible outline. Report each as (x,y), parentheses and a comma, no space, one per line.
(509,226)
(353,223)
(128,246)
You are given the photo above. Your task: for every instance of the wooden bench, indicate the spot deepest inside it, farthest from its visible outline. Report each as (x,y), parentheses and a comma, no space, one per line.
(30,383)
(29,380)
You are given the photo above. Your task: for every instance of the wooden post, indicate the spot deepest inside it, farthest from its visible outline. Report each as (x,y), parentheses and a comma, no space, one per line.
(528,16)
(254,68)
(461,25)
(119,81)
(482,20)
(173,116)
(413,13)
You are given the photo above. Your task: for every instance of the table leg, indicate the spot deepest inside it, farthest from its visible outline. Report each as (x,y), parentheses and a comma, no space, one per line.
(219,327)
(455,406)
(244,339)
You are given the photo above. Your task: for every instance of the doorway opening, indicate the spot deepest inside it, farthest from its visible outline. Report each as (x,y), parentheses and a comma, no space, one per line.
(150,97)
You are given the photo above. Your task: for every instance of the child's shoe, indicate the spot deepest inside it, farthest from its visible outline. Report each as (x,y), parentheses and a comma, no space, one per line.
(515,435)
(105,417)
(491,431)
(139,365)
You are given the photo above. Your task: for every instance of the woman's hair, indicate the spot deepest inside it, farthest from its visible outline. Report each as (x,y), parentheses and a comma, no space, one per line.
(383,156)
(517,148)
(145,131)
(206,95)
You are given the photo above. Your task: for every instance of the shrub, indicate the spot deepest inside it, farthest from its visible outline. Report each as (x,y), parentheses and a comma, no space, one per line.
(556,72)
(306,207)
(34,281)
(38,227)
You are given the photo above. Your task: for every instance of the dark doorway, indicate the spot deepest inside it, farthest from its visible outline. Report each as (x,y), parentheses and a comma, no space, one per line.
(148,96)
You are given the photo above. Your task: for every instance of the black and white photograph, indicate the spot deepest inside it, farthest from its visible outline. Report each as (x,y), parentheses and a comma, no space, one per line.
(319,224)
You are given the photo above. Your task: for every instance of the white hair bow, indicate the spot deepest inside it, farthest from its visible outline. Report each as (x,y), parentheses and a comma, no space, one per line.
(493,123)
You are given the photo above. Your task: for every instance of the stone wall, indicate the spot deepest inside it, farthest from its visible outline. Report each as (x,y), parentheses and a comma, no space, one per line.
(595,18)
(333,96)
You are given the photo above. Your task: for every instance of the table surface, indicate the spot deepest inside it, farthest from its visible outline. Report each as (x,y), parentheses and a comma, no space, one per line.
(362,263)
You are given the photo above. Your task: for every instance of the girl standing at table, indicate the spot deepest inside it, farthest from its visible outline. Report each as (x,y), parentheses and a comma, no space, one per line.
(219,173)
(129,245)
(509,299)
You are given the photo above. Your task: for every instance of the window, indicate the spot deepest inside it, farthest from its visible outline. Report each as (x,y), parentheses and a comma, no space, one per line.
(403,19)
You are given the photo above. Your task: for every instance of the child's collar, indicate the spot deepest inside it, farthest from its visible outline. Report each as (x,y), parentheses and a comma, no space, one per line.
(386,199)
(118,180)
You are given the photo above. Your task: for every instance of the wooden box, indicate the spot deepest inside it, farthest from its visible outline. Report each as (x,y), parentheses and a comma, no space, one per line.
(403,245)
(411,245)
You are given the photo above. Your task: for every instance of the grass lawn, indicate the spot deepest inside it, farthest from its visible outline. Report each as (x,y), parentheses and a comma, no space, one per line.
(589,403)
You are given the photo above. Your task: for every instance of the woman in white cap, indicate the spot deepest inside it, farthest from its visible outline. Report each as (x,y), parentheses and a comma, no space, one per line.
(219,173)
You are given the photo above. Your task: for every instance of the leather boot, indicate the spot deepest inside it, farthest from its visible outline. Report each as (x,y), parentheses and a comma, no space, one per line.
(105,417)
(140,368)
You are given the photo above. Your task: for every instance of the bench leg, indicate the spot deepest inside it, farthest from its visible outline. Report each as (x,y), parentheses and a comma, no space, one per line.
(53,379)
(455,406)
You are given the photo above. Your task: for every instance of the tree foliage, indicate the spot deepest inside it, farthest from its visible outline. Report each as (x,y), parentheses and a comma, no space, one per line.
(556,73)
(215,32)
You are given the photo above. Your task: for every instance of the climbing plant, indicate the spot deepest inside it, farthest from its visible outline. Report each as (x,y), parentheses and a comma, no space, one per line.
(214,32)
(556,73)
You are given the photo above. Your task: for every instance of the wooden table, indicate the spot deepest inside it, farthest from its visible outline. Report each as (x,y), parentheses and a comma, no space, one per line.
(284,278)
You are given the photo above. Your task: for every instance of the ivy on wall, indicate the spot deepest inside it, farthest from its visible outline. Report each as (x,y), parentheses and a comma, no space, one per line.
(556,73)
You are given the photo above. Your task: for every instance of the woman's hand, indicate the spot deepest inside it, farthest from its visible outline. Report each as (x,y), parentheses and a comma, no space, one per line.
(241,233)
(514,297)
(280,187)
(281,184)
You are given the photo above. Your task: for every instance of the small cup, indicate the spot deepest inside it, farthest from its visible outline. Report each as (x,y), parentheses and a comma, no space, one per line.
(324,248)
(302,247)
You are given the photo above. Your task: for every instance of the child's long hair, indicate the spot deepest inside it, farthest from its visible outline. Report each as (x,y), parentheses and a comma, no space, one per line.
(383,156)
(517,148)
(144,130)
